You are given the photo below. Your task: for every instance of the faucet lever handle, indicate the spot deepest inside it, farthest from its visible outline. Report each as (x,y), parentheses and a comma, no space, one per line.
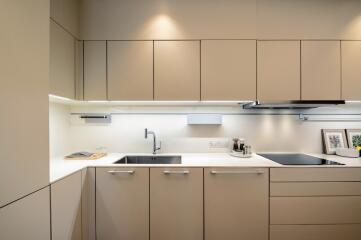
(160,145)
(146,133)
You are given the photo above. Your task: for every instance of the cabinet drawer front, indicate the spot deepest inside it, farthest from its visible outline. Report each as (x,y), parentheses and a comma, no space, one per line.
(315,210)
(122,203)
(176,199)
(315,174)
(315,232)
(236,203)
(293,189)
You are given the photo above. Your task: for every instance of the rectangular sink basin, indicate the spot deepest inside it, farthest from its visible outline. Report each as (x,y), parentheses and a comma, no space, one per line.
(150,160)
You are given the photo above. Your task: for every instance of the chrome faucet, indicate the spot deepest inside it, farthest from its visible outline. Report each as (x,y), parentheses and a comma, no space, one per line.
(155,147)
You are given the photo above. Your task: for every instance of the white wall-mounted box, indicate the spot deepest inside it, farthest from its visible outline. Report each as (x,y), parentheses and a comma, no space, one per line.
(204,119)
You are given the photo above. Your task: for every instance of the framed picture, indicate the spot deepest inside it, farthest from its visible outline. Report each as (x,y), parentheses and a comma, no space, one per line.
(333,139)
(353,137)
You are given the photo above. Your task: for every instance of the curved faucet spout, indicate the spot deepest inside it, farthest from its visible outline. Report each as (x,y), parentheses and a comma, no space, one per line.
(155,147)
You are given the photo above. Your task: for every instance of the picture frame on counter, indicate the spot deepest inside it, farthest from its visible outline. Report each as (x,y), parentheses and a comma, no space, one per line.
(333,139)
(353,137)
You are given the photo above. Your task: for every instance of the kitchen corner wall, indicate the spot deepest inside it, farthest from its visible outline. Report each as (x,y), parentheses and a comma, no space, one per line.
(266,132)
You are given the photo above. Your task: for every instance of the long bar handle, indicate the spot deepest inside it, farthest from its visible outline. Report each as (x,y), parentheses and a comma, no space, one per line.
(176,172)
(114,172)
(258,172)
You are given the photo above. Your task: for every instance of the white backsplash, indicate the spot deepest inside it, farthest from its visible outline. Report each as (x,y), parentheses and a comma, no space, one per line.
(267,132)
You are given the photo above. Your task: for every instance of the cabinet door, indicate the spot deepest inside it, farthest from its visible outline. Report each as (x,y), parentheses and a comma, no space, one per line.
(278,70)
(122,203)
(351,70)
(130,70)
(181,190)
(177,70)
(62,62)
(95,79)
(228,70)
(320,70)
(236,203)
(66,208)
(27,218)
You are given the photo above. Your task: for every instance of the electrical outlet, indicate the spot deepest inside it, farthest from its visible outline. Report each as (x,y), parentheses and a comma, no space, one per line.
(218,144)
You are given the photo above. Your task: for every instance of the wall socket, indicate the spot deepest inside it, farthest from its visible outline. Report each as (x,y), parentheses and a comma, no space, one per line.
(218,144)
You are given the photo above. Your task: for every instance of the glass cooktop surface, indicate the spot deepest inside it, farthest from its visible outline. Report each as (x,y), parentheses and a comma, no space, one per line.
(297,159)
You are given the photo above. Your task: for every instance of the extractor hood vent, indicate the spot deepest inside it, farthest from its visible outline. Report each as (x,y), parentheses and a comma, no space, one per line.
(298,104)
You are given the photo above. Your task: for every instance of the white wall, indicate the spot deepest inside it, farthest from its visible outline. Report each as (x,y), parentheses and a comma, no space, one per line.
(220,19)
(126,132)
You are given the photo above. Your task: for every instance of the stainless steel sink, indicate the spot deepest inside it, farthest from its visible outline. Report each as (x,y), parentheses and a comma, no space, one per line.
(150,160)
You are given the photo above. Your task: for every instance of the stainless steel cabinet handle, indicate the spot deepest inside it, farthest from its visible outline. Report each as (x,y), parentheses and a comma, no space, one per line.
(176,172)
(114,172)
(237,172)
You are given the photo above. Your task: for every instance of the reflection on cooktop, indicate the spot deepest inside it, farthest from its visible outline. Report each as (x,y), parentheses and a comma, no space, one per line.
(297,159)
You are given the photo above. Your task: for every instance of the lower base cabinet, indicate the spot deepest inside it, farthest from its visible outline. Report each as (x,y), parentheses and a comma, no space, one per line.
(236,203)
(27,218)
(122,203)
(176,204)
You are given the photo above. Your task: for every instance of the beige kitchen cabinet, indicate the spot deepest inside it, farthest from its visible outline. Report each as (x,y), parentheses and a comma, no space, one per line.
(24,101)
(177,70)
(95,70)
(27,218)
(130,70)
(278,70)
(62,62)
(320,70)
(88,204)
(176,203)
(351,71)
(66,208)
(236,203)
(122,203)
(228,69)
(79,70)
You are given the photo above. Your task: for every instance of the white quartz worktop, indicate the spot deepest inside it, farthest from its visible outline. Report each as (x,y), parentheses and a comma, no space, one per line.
(59,167)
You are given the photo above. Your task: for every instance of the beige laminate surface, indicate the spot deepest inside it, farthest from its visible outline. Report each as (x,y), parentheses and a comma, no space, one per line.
(95,76)
(62,62)
(66,208)
(27,218)
(316,232)
(130,70)
(122,204)
(24,74)
(351,70)
(79,70)
(320,70)
(182,194)
(177,70)
(278,71)
(88,204)
(236,204)
(66,13)
(228,69)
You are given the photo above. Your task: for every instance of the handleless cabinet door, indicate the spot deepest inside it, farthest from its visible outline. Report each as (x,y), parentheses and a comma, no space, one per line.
(62,62)
(176,203)
(278,70)
(95,76)
(122,203)
(351,70)
(66,208)
(228,70)
(320,70)
(177,70)
(27,218)
(130,70)
(236,203)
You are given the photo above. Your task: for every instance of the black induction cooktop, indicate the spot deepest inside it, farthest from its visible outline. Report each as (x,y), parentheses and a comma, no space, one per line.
(297,159)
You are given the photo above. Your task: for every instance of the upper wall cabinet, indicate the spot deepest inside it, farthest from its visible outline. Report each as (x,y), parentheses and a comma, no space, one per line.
(278,70)
(130,70)
(351,70)
(228,70)
(177,70)
(62,62)
(320,70)
(95,70)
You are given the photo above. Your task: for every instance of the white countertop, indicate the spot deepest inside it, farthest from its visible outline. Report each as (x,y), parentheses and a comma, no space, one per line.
(60,168)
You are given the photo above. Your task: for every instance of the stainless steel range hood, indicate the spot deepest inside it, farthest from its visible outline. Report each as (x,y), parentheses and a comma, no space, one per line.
(298,104)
